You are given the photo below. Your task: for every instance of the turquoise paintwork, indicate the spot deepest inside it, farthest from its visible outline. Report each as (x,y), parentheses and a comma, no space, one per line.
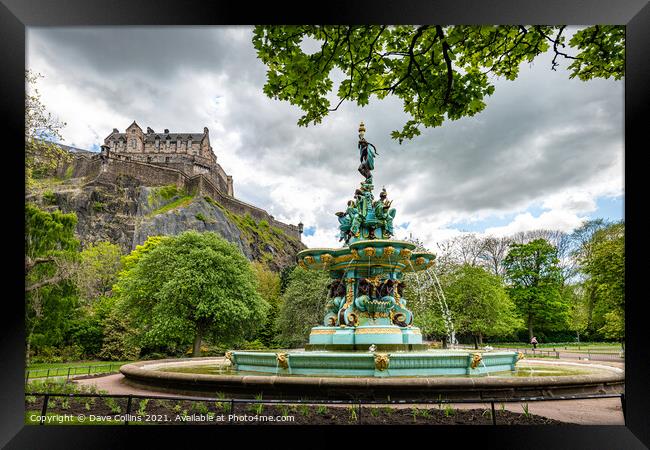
(399,364)
(365,305)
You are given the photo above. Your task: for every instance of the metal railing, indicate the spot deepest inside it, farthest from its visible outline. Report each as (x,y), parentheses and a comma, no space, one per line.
(358,402)
(583,355)
(67,372)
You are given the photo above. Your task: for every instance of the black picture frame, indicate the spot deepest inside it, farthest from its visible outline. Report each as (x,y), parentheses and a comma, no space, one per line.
(16,15)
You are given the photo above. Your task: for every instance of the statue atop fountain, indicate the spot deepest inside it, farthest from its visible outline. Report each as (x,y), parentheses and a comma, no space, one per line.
(366,303)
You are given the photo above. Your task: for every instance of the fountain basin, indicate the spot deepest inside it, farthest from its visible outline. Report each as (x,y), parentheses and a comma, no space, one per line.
(594,379)
(369,364)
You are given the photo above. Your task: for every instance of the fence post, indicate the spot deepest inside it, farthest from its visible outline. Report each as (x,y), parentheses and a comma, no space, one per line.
(623,407)
(44,409)
(128,410)
(27,377)
(232,406)
(494,415)
(89,369)
(48,374)
(68,377)
(557,355)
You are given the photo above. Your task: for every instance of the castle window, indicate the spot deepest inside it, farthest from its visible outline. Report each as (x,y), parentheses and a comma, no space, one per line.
(132,143)
(189,145)
(157,143)
(148,159)
(167,159)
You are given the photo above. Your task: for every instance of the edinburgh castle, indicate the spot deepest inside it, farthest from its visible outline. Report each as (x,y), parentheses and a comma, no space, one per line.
(183,159)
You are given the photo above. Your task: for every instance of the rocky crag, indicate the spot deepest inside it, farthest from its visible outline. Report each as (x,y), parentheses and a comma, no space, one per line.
(126,212)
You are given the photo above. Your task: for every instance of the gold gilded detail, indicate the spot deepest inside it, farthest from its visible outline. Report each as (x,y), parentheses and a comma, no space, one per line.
(283,360)
(375,281)
(228,356)
(349,295)
(369,251)
(520,355)
(308,259)
(302,264)
(476,359)
(420,260)
(374,315)
(405,253)
(389,251)
(341,259)
(354,320)
(381,361)
(326,258)
(378,331)
(355,253)
(323,331)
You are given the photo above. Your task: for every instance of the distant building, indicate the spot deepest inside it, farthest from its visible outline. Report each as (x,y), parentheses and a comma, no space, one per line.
(190,153)
(159,159)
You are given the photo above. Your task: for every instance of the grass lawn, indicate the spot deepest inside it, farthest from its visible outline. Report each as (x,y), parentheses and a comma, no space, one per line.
(604,346)
(40,370)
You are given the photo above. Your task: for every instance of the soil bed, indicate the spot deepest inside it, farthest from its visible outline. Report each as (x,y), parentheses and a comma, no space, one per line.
(173,412)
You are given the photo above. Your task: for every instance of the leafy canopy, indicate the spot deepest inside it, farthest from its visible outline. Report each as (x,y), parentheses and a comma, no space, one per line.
(535,283)
(439,72)
(479,302)
(41,156)
(193,284)
(303,305)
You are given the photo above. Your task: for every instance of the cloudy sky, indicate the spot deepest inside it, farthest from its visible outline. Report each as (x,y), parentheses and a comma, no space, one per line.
(547,152)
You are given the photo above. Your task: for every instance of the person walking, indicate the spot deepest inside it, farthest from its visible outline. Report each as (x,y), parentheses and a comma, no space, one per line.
(533,342)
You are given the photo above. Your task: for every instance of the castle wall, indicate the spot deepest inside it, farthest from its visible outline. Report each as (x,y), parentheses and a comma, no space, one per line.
(154,175)
(82,166)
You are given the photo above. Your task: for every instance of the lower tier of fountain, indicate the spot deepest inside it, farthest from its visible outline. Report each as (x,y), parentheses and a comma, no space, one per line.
(374,364)
(207,376)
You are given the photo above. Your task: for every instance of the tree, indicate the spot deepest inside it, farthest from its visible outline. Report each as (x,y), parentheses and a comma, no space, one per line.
(479,303)
(268,283)
(439,72)
(303,305)
(50,264)
(604,265)
(194,285)
(535,280)
(422,299)
(494,252)
(582,240)
(42,157)
(100,264)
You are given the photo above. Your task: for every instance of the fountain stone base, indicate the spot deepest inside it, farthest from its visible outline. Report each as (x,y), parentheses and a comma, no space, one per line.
(365,335)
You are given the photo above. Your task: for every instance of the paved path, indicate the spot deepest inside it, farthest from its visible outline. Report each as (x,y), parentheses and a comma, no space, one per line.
(601,411)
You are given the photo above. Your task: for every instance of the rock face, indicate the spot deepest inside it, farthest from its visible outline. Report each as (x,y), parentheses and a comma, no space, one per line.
(127,213)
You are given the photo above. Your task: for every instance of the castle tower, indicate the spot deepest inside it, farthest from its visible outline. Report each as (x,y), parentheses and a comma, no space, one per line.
(134,139)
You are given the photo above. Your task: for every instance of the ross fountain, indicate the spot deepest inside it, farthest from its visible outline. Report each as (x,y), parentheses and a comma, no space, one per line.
(367,345)
(366,306)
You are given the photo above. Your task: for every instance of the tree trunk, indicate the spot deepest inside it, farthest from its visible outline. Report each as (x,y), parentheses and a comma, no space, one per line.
(530,327)
(28,348)
(197,344)
(480,339)
(475,342)
(590,310)
(444,342)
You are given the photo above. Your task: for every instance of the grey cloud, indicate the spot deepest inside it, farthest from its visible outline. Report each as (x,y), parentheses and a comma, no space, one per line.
(484,162)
